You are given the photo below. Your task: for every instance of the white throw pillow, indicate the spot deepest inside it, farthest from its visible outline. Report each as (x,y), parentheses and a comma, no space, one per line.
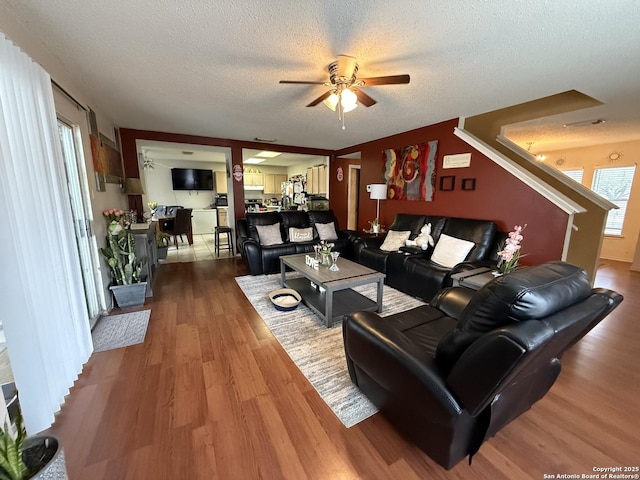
(326,231)
(269,234)
(450,251)
(394,240)
(300,234)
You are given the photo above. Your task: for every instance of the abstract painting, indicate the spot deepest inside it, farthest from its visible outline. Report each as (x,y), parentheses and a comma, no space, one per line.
(410,172)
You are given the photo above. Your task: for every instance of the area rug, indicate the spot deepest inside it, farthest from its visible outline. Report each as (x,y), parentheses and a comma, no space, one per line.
(316,350)
(117,331)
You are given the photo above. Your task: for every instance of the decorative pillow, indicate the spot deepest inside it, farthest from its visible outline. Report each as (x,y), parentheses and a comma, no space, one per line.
(394,240)
(326,231)
(300,234)
(269,234)
(450,251)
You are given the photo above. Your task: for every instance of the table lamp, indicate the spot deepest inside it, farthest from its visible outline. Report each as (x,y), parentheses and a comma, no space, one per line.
(378,191)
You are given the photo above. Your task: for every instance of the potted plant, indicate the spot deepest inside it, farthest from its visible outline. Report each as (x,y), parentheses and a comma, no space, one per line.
(36,457)
(162,243)
(128,288)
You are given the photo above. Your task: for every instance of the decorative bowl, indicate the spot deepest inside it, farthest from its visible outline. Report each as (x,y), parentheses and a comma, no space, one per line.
(285,299)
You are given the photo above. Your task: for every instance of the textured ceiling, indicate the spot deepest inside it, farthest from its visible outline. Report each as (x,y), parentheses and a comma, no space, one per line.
(212,68)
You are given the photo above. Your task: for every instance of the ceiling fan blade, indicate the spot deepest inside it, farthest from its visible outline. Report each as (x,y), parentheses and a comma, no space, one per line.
(389,80)
(346,66)
(320,99)
(363,98)
(301,82)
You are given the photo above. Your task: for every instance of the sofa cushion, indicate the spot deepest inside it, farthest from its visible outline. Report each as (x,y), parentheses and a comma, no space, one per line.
(326,231)
(449,251)
(394,240)
(298,235)
(269,234)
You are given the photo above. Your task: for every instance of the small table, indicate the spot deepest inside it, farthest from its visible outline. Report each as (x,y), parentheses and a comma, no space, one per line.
(474,279)
(338,298)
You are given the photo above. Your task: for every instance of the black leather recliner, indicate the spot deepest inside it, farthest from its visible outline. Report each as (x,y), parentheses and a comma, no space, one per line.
(450,375)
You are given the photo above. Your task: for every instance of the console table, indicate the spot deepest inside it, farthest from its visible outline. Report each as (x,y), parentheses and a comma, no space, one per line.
(146,246)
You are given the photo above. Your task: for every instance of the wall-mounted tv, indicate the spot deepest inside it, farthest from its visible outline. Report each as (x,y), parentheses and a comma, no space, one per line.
(191,179)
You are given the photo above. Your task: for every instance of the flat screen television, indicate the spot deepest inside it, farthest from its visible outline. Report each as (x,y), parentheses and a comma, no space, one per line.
(191,179)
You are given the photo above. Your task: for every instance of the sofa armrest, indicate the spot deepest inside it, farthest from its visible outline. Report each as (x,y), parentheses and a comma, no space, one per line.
(253,256)
(388,358)
(452,300)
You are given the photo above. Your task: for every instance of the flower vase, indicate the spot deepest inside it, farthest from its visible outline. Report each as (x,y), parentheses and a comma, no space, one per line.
(376,228)
(326,259)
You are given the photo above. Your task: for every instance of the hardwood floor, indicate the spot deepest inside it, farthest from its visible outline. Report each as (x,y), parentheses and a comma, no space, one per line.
(210,394)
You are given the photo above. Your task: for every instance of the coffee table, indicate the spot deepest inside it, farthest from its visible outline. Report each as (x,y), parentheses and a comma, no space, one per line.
(338,298)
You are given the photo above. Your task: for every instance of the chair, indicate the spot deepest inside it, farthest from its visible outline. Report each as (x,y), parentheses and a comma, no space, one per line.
(222,229)
(451,374)
(181,224)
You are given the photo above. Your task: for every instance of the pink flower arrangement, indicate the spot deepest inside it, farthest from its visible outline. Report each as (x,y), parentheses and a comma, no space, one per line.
(113,215)
(510,253)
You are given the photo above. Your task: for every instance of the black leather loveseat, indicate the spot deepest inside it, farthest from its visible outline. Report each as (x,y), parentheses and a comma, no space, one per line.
(451,374)
(412,270)
(297,232)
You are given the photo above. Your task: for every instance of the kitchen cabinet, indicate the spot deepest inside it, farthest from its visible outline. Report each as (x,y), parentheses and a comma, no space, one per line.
(253,179)
(317,180)
(221,182)
(203,220)
(273,183)
(223,216)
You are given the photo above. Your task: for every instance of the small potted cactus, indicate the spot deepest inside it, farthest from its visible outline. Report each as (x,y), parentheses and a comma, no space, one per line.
(128,288)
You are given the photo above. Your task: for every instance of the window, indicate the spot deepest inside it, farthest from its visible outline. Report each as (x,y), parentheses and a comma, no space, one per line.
(614,184)
(575,174)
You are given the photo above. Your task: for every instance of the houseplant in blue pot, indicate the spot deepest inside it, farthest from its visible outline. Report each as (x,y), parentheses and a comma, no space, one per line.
(128,288)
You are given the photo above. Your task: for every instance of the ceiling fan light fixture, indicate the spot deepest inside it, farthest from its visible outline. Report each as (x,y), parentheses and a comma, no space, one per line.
(332,101)
(348,100)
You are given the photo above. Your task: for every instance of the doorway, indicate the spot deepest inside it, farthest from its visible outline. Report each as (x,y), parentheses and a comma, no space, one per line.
(79,198)
(353,197)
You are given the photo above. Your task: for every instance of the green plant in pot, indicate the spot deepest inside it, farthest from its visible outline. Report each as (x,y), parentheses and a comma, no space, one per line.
(23,457)
(162,243)
(120,253)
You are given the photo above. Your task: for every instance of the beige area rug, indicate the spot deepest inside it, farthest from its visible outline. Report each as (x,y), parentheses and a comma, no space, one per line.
(117,331)
(316,350)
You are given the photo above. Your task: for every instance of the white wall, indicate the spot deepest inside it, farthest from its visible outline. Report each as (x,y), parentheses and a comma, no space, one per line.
(158,186)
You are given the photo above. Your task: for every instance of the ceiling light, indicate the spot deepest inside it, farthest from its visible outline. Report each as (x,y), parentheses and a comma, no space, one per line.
(267,154)
(254,161)
(343,99)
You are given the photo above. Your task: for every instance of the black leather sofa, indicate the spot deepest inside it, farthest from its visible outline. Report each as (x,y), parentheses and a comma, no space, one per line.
(411,269)
(263,259)
(450,375)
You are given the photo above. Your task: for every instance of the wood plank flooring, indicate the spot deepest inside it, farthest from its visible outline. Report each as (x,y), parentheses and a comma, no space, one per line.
(210,394)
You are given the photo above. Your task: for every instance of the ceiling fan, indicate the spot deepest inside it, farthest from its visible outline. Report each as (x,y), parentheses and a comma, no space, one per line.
(344,86)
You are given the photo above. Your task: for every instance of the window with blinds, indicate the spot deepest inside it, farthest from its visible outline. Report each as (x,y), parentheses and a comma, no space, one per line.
(575,174)
(614,184)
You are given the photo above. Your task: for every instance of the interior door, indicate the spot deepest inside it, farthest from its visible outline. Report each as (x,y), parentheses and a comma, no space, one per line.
(80,206)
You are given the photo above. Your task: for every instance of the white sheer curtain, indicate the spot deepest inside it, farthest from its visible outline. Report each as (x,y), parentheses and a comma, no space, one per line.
(42,306)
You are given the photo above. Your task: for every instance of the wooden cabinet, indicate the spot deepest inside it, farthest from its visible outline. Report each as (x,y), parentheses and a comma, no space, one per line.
(221,182)
(253,179)
(223,217)
(273,183)
(317,180)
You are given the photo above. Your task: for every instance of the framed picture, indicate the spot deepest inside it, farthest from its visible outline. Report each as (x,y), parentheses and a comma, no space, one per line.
(447,182)
(468,184)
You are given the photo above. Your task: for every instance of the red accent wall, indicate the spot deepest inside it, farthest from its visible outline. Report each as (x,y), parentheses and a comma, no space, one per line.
(498,196)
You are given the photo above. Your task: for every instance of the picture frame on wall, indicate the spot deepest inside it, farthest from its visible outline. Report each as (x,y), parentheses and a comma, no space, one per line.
(468,184)
(447,182)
